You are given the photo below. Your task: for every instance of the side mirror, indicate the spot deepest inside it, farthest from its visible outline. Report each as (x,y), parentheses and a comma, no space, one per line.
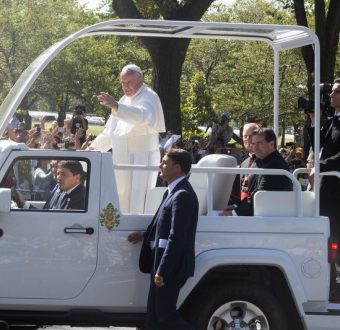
(5,200)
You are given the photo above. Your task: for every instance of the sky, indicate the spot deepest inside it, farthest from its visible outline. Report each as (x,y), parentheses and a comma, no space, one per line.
(92,4)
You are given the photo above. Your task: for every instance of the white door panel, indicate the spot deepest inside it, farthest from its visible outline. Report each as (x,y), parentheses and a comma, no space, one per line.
(38,259)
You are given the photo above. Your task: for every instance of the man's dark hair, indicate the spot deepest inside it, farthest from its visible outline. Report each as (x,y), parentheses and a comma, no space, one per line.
(336,81)
(268,134)
(73,165)
(182,158)
(80,108)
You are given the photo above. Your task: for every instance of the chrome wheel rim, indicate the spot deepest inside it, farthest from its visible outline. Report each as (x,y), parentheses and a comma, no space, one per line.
(238,314)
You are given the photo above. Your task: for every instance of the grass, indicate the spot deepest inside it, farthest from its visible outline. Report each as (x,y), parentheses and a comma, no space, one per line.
(95,129)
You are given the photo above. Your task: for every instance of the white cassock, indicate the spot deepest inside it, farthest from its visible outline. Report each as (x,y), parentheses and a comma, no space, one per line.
(133,135)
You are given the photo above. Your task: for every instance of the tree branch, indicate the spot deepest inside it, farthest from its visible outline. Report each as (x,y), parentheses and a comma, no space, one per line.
(320,20)
(307,52)
(333,21)
(192,10)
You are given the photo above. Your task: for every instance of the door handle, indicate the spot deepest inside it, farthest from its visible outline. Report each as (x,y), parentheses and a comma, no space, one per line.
(73,230)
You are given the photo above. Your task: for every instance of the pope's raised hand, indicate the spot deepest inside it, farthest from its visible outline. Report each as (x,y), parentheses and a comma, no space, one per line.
(107,100)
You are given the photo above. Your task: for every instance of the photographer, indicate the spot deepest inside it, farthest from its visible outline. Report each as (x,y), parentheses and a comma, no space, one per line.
(34,137)
(221,134)
(330,161)
(79,121)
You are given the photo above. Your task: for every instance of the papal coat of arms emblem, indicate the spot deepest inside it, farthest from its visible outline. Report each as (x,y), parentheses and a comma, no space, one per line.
(109,217)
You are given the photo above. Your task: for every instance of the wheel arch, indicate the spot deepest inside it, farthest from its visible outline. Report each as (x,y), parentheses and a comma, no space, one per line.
(271,268)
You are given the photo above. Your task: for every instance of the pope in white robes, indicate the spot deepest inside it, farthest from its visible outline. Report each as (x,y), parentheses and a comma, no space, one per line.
(132,132)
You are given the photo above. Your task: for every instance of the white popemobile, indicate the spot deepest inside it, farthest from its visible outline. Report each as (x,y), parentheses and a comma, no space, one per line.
(76,267)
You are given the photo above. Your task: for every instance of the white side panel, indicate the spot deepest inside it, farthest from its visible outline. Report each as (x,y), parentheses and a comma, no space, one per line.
(322,322)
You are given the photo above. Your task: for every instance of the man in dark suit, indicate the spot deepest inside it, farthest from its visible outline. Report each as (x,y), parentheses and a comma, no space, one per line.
(69,193)
(168,250)
(267,156)
(330,161)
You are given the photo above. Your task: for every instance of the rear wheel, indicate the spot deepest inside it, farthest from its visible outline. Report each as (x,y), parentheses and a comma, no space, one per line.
(3,325)
(23,327)
(238,306)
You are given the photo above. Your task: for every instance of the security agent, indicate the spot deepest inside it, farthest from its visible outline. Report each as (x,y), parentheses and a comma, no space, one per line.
(168,250)
(330,161)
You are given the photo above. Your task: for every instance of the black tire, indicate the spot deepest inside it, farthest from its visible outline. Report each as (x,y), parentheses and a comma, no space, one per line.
(3,325)
(23,327)
(223,306)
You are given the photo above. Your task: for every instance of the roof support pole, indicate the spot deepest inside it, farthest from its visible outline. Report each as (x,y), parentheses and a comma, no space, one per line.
(317,124)
(276,91)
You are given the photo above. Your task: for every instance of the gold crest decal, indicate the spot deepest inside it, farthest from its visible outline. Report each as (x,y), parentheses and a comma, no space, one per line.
(109,217)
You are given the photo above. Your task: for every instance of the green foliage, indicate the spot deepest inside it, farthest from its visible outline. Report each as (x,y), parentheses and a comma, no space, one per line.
(88,66)
(79,72)
(26,29)
(190,135)
(198,110)
(239,75)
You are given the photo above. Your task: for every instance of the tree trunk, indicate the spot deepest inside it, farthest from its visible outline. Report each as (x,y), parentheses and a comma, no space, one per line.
(167,57)
(283,136)
(327,29)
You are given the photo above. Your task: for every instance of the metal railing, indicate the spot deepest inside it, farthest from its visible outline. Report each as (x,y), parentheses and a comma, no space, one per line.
(210,171)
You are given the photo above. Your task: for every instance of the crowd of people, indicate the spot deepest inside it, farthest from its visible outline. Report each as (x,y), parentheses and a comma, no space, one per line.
(73,135)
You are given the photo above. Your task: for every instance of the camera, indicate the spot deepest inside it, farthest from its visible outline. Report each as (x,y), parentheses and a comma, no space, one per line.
(325,101)
(79,110)
(210,125)
(37,128)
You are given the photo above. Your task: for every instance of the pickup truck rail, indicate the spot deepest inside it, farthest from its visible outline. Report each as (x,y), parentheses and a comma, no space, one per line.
(308,170)
(210,171)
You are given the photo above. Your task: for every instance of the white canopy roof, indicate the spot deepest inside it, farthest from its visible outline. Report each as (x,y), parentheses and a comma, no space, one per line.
(279,36)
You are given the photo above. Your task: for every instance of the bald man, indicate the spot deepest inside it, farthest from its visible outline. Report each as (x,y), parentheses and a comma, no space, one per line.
(243,184)
(247,180)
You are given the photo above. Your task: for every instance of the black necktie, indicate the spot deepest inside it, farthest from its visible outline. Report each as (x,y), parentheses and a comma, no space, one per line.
(165,195)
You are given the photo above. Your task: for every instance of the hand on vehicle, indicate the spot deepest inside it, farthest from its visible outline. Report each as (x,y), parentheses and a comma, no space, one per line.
(159,281)
(136,237)
(311,178)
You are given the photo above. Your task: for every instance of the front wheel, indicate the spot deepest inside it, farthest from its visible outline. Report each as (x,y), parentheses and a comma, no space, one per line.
(238,306)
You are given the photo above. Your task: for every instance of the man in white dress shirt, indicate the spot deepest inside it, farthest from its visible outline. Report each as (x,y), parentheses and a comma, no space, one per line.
(132,132)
